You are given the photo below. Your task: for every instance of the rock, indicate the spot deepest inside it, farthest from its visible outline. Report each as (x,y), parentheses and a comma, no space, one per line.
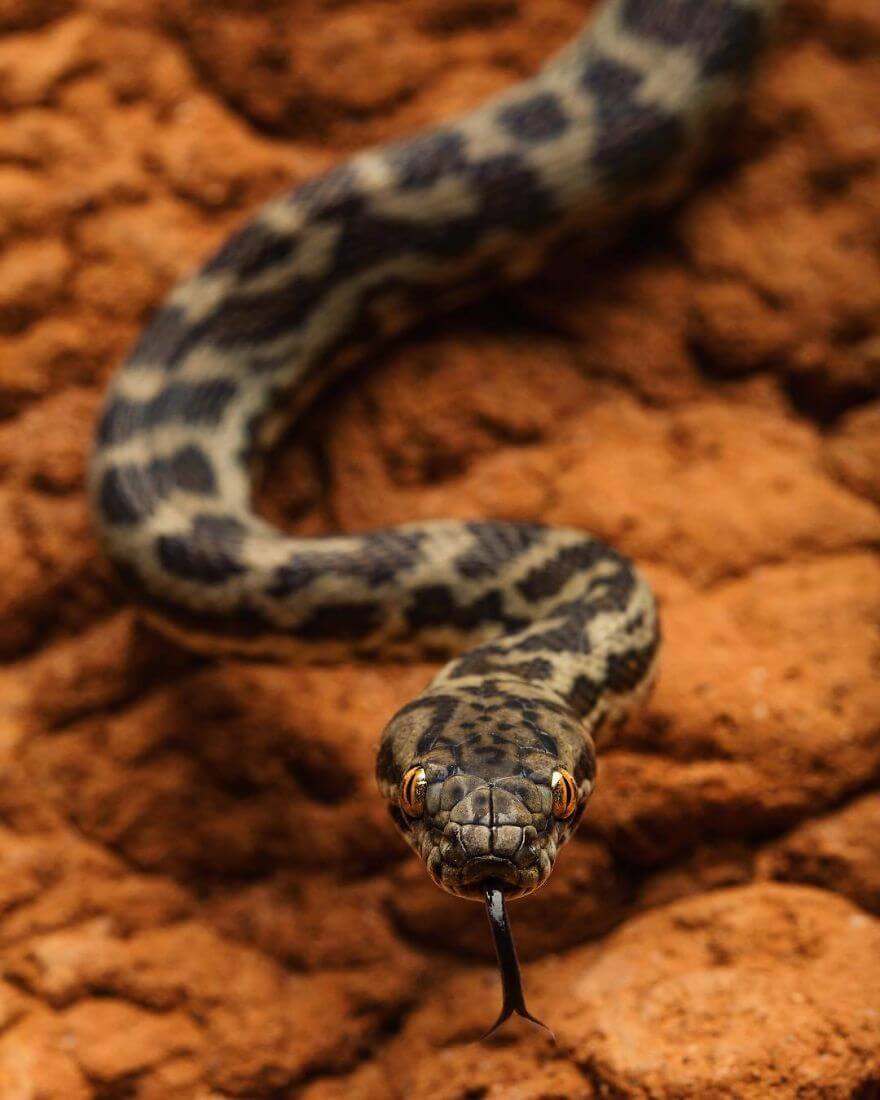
(840,852)
(747,992)
(115,1041)
(34,1062)
(853,451)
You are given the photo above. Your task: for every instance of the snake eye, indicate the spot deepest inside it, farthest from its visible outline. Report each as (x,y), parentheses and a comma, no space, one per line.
(565,793)
(412,792)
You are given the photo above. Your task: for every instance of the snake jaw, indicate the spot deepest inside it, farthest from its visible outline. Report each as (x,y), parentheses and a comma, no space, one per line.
(462,860)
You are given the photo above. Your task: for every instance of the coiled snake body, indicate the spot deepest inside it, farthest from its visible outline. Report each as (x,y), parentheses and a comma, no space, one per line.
(489,769)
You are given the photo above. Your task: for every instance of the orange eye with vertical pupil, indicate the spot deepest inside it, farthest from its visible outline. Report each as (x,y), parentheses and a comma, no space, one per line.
(412,792)
(565,793)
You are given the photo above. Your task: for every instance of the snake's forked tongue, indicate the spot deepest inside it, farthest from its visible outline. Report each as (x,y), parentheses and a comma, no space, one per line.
(511,978)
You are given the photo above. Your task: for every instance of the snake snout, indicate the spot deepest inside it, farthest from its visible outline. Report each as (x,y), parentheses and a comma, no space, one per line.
(491,835)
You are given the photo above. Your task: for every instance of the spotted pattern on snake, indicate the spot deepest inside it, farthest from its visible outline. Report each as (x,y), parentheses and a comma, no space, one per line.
(553,635)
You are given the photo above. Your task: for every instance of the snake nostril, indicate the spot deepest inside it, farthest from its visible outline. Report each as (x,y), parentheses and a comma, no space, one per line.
(452,852)
(527,855)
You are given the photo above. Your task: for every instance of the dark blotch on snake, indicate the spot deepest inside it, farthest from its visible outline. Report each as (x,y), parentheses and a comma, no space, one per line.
(548,743)
(626,671)
(293,577)
(126,495)
(199,404)
(323,195)
(381,557)
(633,139)
(251,251)
(496,545)
(443,711)
(435,605)
(129,493)
(549,578)
(567,636)
(345,621)
(424,161)
(535,120)
(477,662)
(511,193)
(166,334)
(364,240)
(208,554)
(725,37)
(492,659)
(584,694)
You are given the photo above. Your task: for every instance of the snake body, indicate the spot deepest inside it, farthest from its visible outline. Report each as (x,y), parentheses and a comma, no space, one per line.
(554,636)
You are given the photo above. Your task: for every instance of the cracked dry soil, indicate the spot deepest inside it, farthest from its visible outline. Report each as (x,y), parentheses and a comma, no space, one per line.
(200,893)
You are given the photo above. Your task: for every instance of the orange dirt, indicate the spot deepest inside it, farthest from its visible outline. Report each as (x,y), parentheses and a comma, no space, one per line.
(201,895)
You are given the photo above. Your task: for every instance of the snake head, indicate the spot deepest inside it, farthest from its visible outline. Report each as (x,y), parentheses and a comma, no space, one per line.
(489,794)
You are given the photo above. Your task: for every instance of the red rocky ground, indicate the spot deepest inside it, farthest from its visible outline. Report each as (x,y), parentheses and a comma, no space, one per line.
(200,893)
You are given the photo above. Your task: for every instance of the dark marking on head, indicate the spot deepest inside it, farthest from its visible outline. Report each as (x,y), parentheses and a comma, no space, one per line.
(490,753)
(453,792)
(550,744)
(444,708)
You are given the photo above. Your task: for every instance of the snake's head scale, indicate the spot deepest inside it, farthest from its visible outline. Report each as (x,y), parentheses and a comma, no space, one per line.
(488,796)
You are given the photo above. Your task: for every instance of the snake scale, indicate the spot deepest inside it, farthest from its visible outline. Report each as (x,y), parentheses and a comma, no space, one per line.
(553,636)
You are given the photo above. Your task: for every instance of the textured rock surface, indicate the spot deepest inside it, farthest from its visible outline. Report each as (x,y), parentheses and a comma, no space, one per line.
(200,895)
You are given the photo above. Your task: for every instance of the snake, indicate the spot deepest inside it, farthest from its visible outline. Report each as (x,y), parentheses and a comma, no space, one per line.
(550,637)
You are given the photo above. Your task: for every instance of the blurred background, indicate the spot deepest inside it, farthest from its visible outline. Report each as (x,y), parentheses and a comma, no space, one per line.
(201,894)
